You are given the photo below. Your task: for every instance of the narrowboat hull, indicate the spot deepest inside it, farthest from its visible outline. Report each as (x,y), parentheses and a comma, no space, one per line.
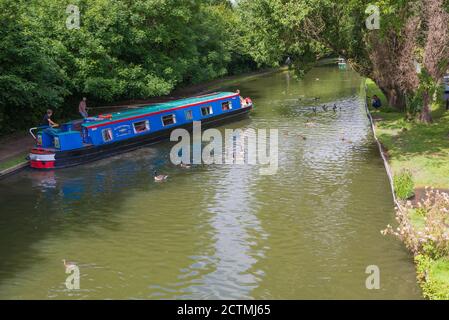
(44,159)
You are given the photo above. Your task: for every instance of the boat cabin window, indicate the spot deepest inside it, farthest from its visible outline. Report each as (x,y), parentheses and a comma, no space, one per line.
(205,111)
(141,126)
(189,115)
(107,135)
(168,119)
(226,105)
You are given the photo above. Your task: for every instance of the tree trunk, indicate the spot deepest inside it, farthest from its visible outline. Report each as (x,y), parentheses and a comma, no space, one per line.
(426,116)
(395,97)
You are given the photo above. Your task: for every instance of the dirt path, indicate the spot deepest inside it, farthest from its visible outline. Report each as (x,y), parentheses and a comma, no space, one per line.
(420,194)
(15,145)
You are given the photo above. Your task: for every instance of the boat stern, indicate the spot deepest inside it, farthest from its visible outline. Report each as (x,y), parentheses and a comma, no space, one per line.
(42,159)
(248,103)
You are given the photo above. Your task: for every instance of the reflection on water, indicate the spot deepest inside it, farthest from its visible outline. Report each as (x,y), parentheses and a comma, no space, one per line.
(217,231)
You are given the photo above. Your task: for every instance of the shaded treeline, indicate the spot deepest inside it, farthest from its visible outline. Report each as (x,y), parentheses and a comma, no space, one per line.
(403,45)
(122,50)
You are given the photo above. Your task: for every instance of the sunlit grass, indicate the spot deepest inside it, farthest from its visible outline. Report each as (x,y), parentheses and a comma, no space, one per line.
(438,283)
(421,148)
(424,150)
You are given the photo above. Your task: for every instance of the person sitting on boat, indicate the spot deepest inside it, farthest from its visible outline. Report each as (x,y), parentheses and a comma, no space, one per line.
(46,121)
(376,103)
(82,108)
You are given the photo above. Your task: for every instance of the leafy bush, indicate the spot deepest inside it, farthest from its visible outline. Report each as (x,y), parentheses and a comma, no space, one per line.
(433,275)
(404,185)
(122,50)
(30,78)
(432,239)
(428,241)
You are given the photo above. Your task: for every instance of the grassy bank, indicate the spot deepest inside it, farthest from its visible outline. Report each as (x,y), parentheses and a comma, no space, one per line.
(423,151)
(11,163)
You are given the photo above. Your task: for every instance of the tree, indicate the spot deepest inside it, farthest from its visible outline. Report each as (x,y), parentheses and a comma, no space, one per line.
(122,50)
(409,31)
(30,79)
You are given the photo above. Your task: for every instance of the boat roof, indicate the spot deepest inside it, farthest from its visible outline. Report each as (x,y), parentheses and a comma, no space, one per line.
(144,110)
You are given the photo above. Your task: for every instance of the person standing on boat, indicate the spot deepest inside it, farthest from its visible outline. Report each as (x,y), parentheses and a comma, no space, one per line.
(46,121)
(82,108)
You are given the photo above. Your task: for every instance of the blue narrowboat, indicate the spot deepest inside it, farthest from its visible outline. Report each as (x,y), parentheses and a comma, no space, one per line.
(95,138)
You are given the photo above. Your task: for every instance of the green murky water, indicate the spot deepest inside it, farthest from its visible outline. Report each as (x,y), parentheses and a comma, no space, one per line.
(215,231)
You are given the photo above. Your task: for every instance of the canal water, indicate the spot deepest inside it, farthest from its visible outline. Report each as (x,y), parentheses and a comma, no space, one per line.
(215,231)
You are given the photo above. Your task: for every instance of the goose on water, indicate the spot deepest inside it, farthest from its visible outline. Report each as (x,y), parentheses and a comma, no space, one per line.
(160,177)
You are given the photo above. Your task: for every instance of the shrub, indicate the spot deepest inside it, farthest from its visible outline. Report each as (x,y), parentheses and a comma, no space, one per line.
(404,185)
(432,239)
(432,275)
(428,241)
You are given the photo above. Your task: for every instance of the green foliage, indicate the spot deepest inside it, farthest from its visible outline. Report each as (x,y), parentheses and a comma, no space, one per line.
(423,149)
(122,50)
(433,276)
(403,184)
(423,228)
(306,31)
(30,79)
(427,85)
(430,235)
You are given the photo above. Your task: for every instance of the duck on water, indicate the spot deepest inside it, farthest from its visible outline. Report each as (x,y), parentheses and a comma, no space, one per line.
(159,177)
(95,138)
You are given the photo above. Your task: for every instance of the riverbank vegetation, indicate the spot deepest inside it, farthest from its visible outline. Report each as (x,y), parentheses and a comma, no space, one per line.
(121,50)
(406,54)
(12,162)
(124,50)
(419,157)
(423,149)
(403,184)
(423,227)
